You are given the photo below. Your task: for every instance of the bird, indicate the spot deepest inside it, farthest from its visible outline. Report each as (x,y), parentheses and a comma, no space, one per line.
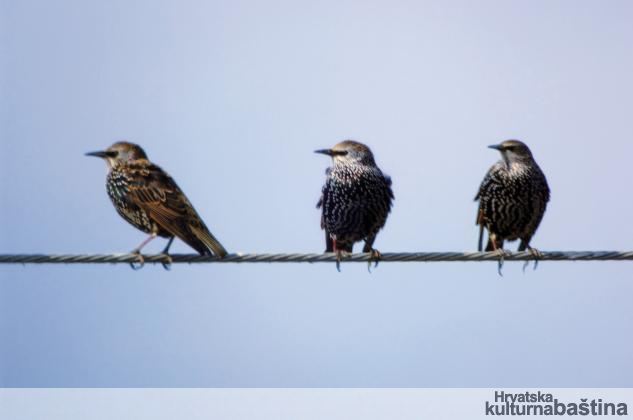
(512,199)
(355,200)
(149,199)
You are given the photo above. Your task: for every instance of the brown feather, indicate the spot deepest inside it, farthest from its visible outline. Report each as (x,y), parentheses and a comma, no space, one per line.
(165,203)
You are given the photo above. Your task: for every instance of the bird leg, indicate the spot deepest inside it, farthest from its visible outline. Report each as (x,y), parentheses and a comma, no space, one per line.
(168,261)
(137,251)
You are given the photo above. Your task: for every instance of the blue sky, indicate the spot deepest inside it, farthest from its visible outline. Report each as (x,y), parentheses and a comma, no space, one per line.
(232,98)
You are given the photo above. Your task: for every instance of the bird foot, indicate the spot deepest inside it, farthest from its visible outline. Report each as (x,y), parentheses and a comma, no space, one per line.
(339,256)
(167,261)
(536,254)
(375,257)
(502,253)
(140,260)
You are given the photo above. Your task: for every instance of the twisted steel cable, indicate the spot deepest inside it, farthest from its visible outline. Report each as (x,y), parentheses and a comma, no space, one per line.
(313,258)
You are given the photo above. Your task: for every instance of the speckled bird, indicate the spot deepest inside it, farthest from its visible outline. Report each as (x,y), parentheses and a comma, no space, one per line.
(355,199)
(149,199)
(512,198)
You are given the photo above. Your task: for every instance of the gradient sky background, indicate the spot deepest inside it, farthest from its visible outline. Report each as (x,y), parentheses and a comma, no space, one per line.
(232,98)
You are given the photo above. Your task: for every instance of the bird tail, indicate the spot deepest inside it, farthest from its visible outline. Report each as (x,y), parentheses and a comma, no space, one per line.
(480,222)
(481,237)
(208,243)
(329,242)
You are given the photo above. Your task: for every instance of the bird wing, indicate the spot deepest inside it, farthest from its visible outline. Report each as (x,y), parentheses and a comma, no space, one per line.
(487,183)
(389,190)
(484,185)
(329,242)
(153,190)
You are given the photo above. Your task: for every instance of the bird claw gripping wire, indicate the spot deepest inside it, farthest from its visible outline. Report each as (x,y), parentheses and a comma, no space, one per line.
(374,256)
(140,261)
(536,254)
(502,253)
(339,256)
(167,261)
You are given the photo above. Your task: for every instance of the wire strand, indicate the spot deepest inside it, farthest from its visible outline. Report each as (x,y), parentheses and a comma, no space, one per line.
(313,258)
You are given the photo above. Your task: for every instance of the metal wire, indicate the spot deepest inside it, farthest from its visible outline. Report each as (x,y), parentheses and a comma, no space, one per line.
(313,258)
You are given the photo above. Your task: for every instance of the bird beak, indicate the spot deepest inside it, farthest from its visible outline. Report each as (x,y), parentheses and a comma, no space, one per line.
(99,154)
(325,152)
(496,147)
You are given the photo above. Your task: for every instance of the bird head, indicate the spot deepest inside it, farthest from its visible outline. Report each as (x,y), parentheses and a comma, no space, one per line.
(513,151)
(121,152)
(349,151)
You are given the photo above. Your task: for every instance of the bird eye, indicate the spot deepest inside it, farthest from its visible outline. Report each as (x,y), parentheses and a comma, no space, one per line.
(339,152)
(112,153)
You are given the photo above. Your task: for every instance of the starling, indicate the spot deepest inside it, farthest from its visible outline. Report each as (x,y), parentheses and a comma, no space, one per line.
(149,199)
(355,199)
(512,199)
